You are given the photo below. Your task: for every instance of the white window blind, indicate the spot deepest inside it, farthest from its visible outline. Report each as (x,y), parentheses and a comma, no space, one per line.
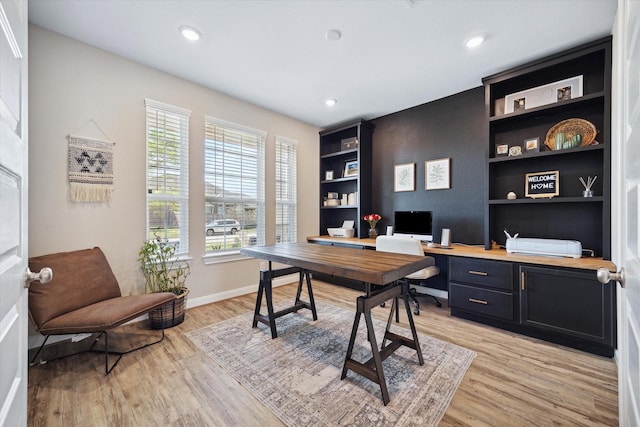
(234,186)
(286,194)
(168,173)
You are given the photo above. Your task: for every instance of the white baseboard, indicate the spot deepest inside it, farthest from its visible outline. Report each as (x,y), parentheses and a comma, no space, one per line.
(208,299)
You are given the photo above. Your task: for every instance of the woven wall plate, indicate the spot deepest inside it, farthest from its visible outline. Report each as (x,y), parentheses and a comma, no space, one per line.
(572,127)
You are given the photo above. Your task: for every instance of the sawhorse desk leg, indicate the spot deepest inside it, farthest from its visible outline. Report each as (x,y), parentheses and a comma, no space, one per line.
(265,288)
(372,368)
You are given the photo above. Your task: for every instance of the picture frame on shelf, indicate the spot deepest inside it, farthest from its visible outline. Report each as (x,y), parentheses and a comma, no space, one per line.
(351,168)
(531,145)
(543,95)
(328,175)
(502,150)
(437,174)
(404,177)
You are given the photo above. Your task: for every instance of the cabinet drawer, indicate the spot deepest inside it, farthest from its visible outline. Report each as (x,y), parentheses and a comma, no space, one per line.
(492,274)
(481,301)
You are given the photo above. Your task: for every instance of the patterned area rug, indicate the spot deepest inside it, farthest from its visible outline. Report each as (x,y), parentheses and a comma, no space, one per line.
(297,375)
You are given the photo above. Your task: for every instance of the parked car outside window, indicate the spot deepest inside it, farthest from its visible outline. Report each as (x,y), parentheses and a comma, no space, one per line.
(222,226)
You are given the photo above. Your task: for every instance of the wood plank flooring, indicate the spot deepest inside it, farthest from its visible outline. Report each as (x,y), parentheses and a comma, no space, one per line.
(514,380)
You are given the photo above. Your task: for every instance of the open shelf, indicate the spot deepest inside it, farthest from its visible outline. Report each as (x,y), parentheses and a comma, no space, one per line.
(334,158)
(547,153)
(567,105)
(353,152)
(595,199)
(567,216)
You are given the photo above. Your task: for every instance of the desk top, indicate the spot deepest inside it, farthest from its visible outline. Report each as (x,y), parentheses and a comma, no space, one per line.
(473,251)
(378,268)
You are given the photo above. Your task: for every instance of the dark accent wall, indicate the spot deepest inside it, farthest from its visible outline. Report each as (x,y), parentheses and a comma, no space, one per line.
(453,127)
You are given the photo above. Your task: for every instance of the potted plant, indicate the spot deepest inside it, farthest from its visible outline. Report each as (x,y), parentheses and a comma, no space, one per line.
(164,273)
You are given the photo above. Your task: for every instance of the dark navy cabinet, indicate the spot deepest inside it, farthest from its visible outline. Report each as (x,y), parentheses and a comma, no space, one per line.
(568,302)
(563,305)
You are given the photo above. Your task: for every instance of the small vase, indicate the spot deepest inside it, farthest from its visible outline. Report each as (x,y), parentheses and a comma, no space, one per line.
(373,233)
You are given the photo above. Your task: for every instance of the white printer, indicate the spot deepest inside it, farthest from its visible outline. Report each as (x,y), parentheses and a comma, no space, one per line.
(544,247)
(346,230)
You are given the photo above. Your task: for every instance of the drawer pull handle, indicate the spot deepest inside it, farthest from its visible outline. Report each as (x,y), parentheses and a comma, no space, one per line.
(478,273)
(478,301)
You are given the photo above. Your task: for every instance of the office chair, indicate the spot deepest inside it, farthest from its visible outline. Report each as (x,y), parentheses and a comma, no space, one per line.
(405,245)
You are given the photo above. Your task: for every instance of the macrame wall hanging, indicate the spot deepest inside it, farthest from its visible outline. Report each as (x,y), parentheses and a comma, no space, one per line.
(90,169)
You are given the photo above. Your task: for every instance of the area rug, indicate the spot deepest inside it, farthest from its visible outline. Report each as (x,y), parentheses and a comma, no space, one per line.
(297,375)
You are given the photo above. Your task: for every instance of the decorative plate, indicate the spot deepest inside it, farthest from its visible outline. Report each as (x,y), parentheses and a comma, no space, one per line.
(569,128)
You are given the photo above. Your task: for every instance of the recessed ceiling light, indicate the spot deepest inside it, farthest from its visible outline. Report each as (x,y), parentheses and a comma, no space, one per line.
(474,41)
(190,33)
(333,35)
(331,102)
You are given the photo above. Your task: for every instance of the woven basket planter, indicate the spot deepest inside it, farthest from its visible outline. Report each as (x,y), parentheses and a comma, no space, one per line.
(170,314)
(569,128)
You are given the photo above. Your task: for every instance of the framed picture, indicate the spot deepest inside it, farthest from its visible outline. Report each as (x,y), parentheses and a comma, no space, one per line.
(437,174)
(328,175)
(542,95)
(519,104)
(351,168)
(502,150)
(404,177)
(563,93)
(531,145)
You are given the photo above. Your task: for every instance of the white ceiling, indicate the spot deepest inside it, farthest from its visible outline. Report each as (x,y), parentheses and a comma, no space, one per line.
(393,54)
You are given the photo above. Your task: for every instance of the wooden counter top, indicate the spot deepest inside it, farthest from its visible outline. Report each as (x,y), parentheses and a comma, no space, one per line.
(478,251)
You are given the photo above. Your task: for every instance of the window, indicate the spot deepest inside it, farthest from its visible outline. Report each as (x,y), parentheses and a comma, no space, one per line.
(168,173)
(286,200)
(234,186)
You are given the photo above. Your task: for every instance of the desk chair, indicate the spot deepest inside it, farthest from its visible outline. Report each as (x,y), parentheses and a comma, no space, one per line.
(405,245)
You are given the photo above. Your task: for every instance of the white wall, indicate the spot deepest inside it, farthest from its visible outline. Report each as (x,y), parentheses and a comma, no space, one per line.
(71,84)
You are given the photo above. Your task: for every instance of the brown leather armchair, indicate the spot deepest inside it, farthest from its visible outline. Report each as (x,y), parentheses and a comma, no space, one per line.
(84,297)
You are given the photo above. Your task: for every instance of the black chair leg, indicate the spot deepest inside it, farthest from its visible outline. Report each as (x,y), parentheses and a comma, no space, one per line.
(414,295)
(104,351)
(33,361)
(118,354)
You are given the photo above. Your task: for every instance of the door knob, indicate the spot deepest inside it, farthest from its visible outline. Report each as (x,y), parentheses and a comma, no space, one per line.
(44,276)
(604,276)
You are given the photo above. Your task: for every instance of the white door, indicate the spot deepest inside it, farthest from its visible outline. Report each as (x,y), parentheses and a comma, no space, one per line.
(626,204)
(13,212)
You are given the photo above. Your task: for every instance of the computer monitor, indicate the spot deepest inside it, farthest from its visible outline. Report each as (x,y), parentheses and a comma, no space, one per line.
(414,224)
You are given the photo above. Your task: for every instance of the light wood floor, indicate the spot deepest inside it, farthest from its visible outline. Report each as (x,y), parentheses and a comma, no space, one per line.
(514,380)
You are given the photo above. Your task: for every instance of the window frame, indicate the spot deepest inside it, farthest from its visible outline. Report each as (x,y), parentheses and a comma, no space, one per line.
(234,139)
(286,195)
(179,118)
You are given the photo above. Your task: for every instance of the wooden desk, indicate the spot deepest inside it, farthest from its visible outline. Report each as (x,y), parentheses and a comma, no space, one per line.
(380,271)
(556,299)
(473,251)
